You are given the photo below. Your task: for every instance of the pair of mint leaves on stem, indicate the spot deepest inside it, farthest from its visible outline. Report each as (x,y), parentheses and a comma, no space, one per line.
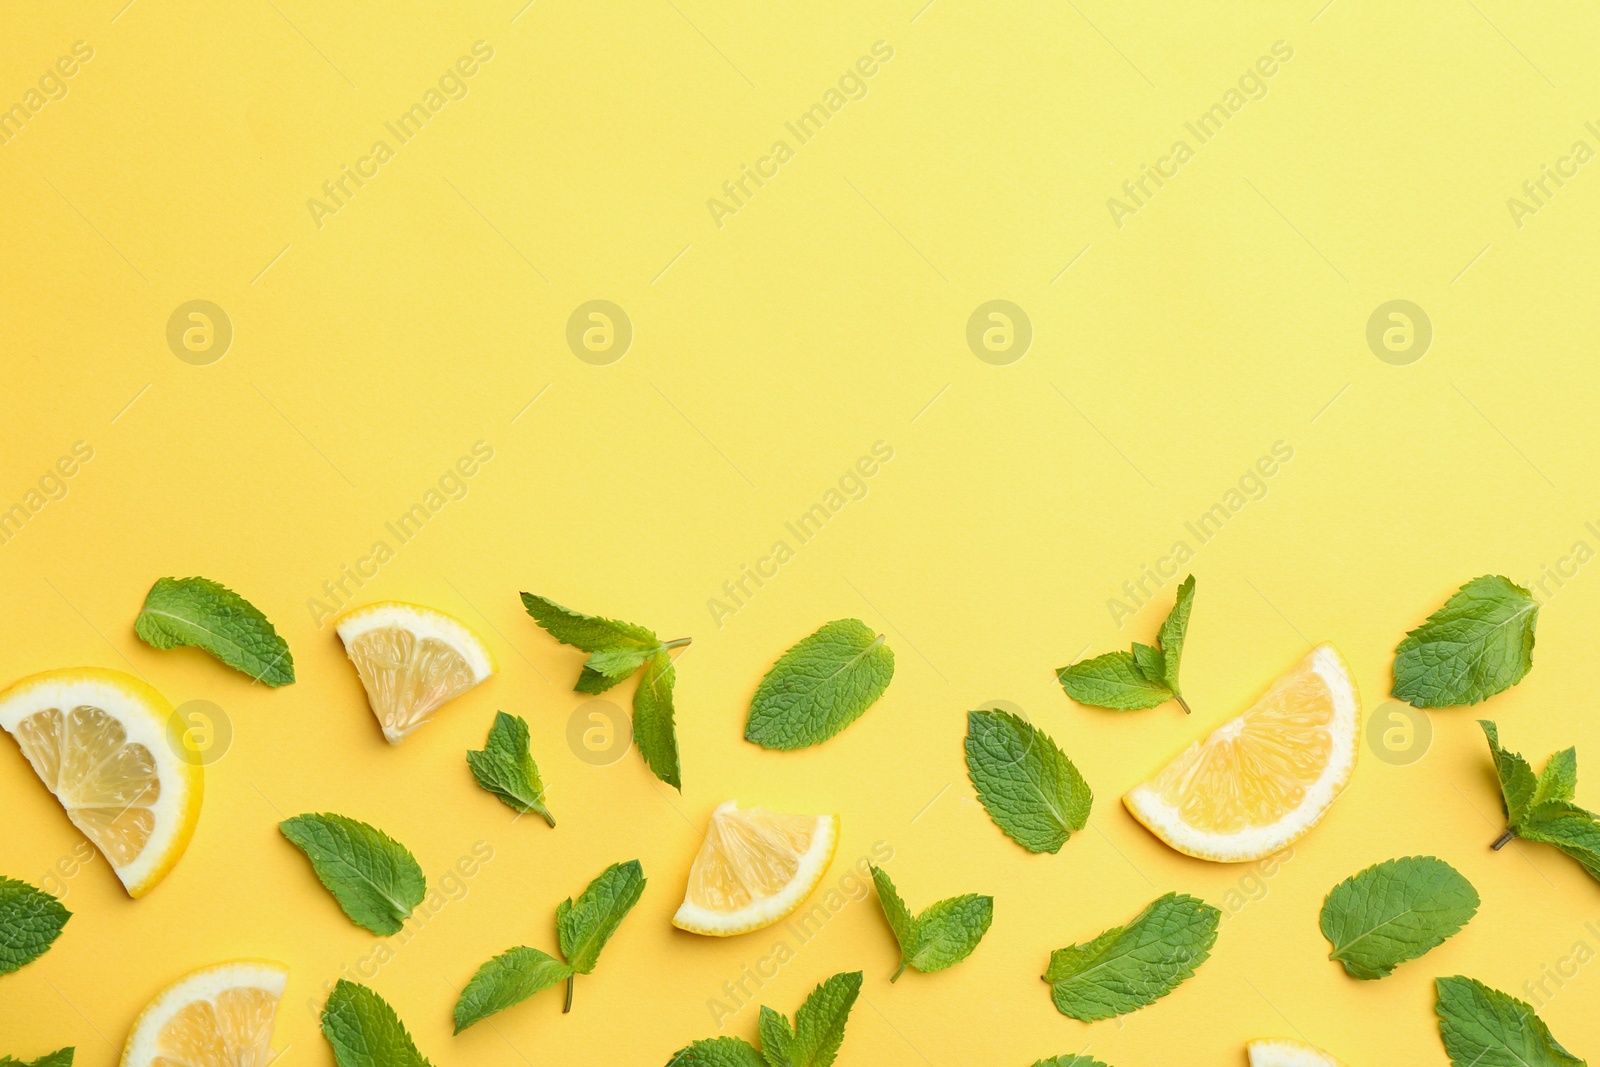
(812,1040)
(616,651)
(583,926)
(1146,676)
(1540,807)
(209,616)
(942,935)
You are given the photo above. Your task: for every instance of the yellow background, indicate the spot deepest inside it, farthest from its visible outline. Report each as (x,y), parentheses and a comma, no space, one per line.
(829,313)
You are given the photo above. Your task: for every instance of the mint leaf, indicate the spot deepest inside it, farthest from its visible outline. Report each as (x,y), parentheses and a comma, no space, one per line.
(1069,1061)
(818,1026)
(505,767)
(212,617)
(372,876)
(30,922)
(509,978)
(654,731)
(1540,808)
(819,686)
(61,1057)
(617,650)
(586,924)
(718,1052)
(588,632)
(1395,911)
(1174,630)
(365,1032)
(940,937)
(1129,967)
(1113,681)
(1028,786)
(1479,644)
(1483,1027)
(1143,678)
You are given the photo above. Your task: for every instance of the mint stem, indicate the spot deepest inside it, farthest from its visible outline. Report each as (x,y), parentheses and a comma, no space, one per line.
(897,974)
(568,1005)
(679,643)
(1184,704)
(1503,840)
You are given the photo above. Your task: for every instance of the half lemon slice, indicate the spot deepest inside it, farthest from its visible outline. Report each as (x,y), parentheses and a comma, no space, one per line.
(99,741)
(1260,781)
(755,867)
(411,660)
(218,1016)
(1278,1053)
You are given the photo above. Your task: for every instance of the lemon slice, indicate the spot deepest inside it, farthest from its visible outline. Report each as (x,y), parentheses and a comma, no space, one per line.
(411,660)
(1288,1054)
(1260,781)
(99,741)
(754,868)
(218,1016)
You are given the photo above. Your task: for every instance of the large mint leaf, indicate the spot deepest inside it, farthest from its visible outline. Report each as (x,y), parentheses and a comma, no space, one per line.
(212,617)
(1028,786)
(819,686)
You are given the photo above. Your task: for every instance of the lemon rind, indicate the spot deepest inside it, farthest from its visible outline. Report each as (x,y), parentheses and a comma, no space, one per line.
(809,873)
(144,714)
(205,983)
(1277,1052)
(422,621)
(1161,818)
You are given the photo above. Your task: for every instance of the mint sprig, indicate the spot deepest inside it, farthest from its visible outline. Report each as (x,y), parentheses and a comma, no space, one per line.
(1144,677)
(583,926)
(1541,808)
(212,617)
(505,767)
(812,1041)
(616,651)
(1395,911)
(30,922)
(943,935)
(822,684)
(1478,644)
(373,877)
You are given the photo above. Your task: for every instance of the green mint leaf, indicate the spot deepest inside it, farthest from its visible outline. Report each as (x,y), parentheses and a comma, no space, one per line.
(61,1057)
(940,937)
(1129,967)
(1113,681)
(717,1052)
(365,1032)
(1070,1061)
(654,730)
(1483,1027)
(594,683)
(1517,781)
(212,617)
(1479,644)
(588,632)
(819,686)
(1395,911)
(586,924)
(1151,663)
(505,767)
(1174,630)
(615,664)
(30,922)
(1028,786)
(1540,808)
(372,876)
(509,978)
(818,1025)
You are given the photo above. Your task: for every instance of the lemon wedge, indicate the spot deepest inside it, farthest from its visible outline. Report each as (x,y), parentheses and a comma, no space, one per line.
(754,868)
(1288,1054)
(1260,781)
(218,1016)
(99,741)
(411,660)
